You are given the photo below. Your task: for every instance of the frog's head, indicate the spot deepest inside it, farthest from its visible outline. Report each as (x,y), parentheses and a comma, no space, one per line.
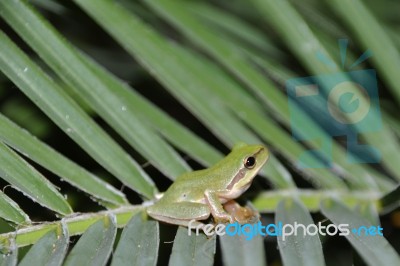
(248,160)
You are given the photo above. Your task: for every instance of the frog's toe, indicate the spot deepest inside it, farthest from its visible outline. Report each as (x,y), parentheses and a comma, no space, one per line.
(224,219)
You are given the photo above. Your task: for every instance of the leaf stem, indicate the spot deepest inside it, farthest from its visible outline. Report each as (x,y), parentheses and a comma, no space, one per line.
(265,202)
(268,201)
(76,224)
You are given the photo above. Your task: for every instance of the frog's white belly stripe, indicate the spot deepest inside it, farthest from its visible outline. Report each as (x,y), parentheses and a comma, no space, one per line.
(240,174)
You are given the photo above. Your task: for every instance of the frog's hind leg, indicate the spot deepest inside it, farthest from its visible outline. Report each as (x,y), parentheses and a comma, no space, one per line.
(193,223)
(181,213)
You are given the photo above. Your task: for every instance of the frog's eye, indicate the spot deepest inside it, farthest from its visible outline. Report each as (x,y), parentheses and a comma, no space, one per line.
(250,162)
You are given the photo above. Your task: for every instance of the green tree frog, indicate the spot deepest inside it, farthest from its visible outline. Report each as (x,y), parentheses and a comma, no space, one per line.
(196,195)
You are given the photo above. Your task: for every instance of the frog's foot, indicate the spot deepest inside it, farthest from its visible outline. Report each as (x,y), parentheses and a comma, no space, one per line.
(241,214)
(223,218)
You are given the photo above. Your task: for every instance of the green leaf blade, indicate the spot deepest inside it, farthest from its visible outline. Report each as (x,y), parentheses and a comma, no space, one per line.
(158,56)
(95,245)
(177,134)
(9,257)
(375,250)
(373,36)
(49,250)
(26,179)
(192,250)
(70,117)
(305,45)
(238,250)
(112,106)
(44,155)
(10,211)
(139,243)
(298,249)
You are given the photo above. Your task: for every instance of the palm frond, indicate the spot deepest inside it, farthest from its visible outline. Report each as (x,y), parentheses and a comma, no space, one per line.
(224,66)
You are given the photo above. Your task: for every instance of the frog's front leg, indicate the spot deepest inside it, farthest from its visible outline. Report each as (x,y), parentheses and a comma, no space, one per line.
(217,210)
(241,214)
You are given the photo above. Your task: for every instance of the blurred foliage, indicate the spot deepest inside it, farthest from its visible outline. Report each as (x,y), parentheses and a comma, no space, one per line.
(103,103)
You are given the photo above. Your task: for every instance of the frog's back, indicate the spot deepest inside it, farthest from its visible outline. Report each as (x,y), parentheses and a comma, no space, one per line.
(190,185)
